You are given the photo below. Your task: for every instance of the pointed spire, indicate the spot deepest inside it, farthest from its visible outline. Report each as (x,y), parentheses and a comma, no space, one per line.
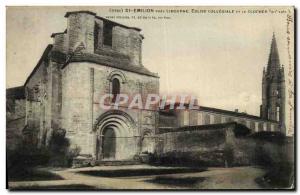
(273,62)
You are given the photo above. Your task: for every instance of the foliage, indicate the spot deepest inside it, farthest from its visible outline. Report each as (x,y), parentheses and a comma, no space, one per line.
(61,152)
(192,158)
(22,160)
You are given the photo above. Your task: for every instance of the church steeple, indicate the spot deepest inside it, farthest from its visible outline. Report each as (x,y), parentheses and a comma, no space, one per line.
(273,62)
(273,88)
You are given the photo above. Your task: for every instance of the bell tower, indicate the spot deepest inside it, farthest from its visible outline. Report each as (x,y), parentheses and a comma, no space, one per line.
(273,88)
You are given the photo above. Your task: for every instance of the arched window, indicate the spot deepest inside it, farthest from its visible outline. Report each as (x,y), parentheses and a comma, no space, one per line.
(115,88)
(277,113)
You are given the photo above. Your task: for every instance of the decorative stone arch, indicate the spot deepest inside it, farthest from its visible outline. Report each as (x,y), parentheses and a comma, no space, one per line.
(110,113)
(125,131)
(121,80)
(117,74)
(147,132)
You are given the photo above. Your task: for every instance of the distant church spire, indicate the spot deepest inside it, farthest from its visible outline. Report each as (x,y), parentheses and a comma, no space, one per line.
(273,62)
(273,88)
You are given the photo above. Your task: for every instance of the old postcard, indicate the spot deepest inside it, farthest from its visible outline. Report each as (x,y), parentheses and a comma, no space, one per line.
(150,98)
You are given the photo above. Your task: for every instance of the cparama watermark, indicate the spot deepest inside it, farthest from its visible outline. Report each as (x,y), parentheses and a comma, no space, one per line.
(148,102)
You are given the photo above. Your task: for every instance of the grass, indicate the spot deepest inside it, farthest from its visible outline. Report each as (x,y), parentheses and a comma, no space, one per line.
(32,175)
(180,182)
(140,172)
(56,187)
(280,175)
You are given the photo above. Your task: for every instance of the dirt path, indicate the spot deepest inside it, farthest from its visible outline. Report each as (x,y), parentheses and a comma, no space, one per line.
(213,178)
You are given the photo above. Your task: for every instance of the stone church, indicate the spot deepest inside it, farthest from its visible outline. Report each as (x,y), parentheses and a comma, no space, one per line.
(95,56)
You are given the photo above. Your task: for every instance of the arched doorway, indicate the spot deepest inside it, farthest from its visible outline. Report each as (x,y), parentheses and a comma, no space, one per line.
(109,144)
(117,137)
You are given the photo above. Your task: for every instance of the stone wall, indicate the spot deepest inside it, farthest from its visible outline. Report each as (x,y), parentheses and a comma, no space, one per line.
(87,28)
(83,86)
(43,100)
(128,42)
(38,97)
(75,113)
(15,109)
(205,146)
(60,42)
(81,30)
(167,119)
(15,116)
(63,90)
(14,132)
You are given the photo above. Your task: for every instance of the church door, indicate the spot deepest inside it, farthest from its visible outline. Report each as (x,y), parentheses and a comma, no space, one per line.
(109,144)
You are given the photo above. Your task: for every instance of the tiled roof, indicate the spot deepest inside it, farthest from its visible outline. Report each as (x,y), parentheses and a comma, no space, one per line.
(15,92)
(121,64)
(196,127)
(227,112)
(110,61)
(238,129)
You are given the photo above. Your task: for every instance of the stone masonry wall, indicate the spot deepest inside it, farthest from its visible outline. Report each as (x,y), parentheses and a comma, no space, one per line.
(43,101)
(75,111)
(83,86)
(128,42)
(60,42)
(38,106)
(81,29)
(202,146)
(15,122)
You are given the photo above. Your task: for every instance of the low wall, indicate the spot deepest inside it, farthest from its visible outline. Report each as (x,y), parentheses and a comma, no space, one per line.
(222,145)
(204,146)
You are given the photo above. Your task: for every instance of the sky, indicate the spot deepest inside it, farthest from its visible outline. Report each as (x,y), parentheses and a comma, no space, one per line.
(217,57)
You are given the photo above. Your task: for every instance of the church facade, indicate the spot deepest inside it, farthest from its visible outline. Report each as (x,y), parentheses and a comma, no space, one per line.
(91,58)
(95,56)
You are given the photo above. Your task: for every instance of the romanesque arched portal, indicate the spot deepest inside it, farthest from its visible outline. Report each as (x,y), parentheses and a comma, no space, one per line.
(116,136)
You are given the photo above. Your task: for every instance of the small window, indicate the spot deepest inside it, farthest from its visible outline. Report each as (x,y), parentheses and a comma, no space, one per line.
(186,117)
(96,35)
(217,119)
(229,119)
(107,33)
(260,126)
(199,119)
(277,113)
(115,88)
(252,125)
(207,119)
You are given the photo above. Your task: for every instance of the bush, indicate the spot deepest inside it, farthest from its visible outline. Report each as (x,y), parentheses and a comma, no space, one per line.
(191,159)
(274,152)
(21,160)
(280,175)
(61,154)
(58,153)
